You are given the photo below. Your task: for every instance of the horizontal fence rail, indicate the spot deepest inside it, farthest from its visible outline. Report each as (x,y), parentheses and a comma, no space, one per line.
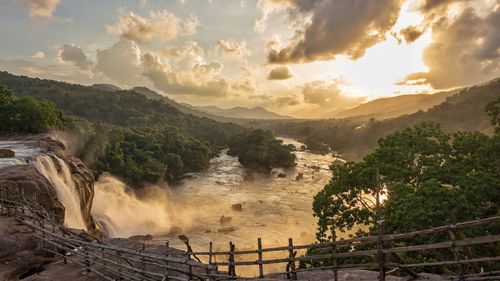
(111,262)
(289,252)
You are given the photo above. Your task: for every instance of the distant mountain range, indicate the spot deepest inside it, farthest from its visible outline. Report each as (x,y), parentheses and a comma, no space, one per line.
(391,107)
(240,112)
(205,111)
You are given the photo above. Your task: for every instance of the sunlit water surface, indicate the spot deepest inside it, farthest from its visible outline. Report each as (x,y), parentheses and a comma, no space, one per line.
(273,208)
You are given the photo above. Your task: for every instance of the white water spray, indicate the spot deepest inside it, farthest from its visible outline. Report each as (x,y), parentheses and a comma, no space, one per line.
(123,213)
(59,175)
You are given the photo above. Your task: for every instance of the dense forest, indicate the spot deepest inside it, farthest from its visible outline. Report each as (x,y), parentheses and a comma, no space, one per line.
(259,149)
(27,114)
(429,177)
(122,131)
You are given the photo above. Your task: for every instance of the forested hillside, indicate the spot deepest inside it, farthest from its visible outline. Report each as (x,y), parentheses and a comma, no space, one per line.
(130,133)
(392,107)
(464,111)
(125,133)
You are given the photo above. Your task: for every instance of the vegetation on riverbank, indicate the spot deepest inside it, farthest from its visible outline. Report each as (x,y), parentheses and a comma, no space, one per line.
(259,150)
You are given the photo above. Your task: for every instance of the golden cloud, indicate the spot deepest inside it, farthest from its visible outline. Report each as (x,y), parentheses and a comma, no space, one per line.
(162,25)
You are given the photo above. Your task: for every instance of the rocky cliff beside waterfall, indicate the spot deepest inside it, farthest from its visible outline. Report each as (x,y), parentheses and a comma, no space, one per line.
(42,169)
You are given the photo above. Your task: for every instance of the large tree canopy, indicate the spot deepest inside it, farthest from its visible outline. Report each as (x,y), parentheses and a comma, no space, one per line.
(27,114)
(429,177)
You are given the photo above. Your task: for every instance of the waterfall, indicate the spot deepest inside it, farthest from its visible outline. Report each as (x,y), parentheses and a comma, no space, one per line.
(57,172)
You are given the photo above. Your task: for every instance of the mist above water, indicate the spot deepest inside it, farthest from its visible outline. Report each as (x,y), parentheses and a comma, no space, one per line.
(273,208)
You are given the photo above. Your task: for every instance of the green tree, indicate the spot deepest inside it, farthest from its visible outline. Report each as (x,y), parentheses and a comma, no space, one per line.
(430,178)
(27,114)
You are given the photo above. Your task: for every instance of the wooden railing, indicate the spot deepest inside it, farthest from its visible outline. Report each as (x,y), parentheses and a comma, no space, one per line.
(107,261)
(234,259)
(118,263)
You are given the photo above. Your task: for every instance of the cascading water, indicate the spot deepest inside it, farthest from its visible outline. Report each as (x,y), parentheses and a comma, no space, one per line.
(58,174)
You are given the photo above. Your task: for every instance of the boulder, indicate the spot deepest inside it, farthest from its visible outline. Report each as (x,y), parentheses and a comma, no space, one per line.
(175,230)
(227,230)
(224,219)
(237,207)
(7,153)
(141,237)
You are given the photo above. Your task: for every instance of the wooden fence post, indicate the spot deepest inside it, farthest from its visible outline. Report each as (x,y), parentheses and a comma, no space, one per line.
(232,267)
(167,271)
(259,253)
(291,262)
(210,246)
(334,259)
(189,257)
(455,251)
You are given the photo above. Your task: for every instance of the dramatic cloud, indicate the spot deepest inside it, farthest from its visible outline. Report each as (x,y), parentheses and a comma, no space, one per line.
(39,55)
(75,55)
(43,9)
(203,80)
(280,73)
(433,11)
(465,50)
(189,47)
(233,48)
(329,95)
(412,33)
(162,25)
(335,27)
(121,62)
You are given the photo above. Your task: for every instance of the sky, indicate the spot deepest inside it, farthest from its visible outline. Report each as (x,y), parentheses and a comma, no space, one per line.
(304,58)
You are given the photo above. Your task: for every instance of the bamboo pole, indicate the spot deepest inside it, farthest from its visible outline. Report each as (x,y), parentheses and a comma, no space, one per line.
(291,264)
(259,253)
(232,264)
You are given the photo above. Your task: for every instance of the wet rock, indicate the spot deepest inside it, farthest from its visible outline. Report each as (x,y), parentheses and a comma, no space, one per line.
(299,176)
(227,230)
(237,207)
(281,175)
(175,230)
(7,153)
(141,237)
(316,168)
(26,180)
(224,219)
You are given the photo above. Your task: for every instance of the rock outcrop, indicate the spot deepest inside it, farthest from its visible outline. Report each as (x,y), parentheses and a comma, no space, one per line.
(6,153)
(26,179)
